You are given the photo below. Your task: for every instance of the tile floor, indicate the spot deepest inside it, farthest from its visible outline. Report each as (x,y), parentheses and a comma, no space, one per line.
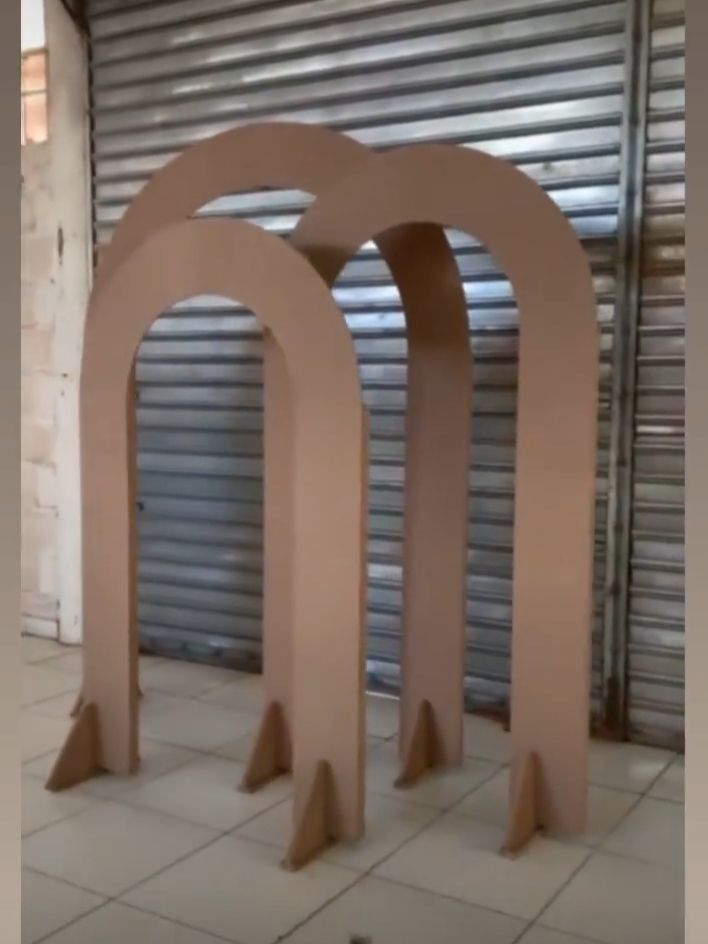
(175,855)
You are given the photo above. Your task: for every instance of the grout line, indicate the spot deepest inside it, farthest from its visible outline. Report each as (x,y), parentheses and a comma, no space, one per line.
(56,695)
(368,873)
(600,847)
(233,832)
(330,901)
(437,894)
(658,799)
(565,884)
(544,927)
(90,800)
(522,934)
(111,900)
(658,777)
(635,860)
(221,834)
(638,799)
(360,876)
(574,937)
(94,800)
(66,881)
(64,927)
(177,921)
(64,650)
(32,760)
(446,897)
(134,805)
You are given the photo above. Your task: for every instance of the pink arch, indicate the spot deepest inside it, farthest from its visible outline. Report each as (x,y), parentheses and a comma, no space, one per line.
(242,262)
(531,240)
(438,415)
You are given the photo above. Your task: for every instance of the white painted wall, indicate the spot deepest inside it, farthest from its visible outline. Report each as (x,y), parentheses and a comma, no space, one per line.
(56,252)
(70,169)
(39,575)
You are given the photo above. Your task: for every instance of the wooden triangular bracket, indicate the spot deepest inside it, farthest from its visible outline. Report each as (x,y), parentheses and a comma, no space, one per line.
(78,704)
(80,757)
(313,831)
(524,819)
(271,755)
(423,752)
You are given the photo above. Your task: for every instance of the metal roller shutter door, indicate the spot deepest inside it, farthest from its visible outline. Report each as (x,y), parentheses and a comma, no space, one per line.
(540,82)
(656,618)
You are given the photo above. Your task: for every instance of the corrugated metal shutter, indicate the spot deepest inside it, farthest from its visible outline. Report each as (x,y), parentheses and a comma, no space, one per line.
(539,82)
(656,618)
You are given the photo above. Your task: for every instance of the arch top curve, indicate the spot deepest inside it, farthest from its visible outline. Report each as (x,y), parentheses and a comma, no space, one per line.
(275,154)
(239,261)
(450,186)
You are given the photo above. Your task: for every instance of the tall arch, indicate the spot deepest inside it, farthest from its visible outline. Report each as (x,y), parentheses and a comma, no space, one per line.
(438,419)
(531,240)
(242,262)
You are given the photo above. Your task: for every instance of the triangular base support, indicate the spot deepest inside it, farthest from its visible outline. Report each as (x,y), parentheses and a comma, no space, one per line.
(524,819)
(271,755)
(423,753)
(313,830)
(78,704)
(80,757)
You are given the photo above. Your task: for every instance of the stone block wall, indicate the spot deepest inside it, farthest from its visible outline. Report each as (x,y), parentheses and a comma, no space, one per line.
(55,273)
(40,591)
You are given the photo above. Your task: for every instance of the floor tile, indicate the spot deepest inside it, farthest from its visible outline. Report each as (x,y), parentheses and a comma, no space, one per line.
(48,905)
(670,785)
(630,767)
(147,659)
(206,791)
(240,748)
(486,738)
(40,808)
(192,723)
(460,857)
(245,693)
(653,832)
(118,924)
(381,716)
(184,679)
(40,683)
(541,935)
(606,808)
(238,889)
(439,788)
(40,734)
(59,706)
(36,649)
(110,847)
(156,760)
(617,900)
(389,823)
(385,913)
(70,662)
